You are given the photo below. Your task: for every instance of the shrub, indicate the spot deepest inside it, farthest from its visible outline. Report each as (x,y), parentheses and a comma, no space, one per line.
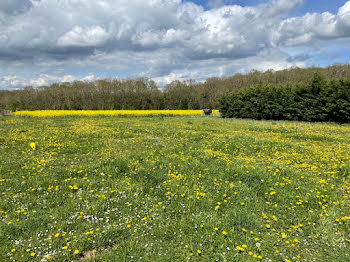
(320,100)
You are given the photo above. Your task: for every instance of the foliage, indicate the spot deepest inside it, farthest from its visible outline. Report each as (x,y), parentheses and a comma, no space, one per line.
(173,189)
(144,94)
(320,100)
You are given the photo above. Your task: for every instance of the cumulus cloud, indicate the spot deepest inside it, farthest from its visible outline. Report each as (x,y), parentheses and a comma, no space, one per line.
(14,81)
(161,39)
(78,36)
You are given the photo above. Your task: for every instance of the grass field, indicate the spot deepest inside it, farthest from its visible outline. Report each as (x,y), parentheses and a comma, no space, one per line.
(173,189)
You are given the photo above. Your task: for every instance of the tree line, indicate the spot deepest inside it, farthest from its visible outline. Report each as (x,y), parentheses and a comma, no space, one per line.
(320,100)
(116,94)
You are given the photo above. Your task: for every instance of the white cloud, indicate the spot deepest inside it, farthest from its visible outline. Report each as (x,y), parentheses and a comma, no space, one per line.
(78,36)
(11,81)
(161,39)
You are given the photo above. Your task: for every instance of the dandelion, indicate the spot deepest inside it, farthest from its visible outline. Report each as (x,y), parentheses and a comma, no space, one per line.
(239,248)
(76,251)
(32,145)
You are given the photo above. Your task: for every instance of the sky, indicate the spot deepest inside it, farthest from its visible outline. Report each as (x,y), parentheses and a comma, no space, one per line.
(47,41)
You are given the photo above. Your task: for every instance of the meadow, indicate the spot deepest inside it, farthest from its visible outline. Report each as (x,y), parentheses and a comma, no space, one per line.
(181,188)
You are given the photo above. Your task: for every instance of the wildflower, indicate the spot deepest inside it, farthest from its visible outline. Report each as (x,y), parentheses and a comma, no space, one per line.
(224,233)
(32,145)
(239,248)
(76,251)
(32,254)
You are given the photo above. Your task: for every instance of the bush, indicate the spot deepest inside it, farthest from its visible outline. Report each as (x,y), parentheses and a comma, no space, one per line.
(320,100)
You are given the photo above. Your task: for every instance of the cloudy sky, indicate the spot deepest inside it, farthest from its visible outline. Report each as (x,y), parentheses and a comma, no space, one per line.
(45,41)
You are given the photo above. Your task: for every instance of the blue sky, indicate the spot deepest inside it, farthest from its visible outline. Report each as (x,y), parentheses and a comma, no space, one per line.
(46,41)
(310,6)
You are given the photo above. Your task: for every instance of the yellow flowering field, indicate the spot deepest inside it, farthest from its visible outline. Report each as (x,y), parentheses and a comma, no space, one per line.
(42,113)
(95,188)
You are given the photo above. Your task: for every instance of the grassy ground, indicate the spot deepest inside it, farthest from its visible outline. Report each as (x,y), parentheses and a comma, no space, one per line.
(173,189)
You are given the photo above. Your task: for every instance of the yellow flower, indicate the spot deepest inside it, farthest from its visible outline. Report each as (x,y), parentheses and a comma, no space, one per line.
(224,232)
(283,235)
(57,234)
(76,251)
(199,251)
(32,145)
(239,248)
(32,254)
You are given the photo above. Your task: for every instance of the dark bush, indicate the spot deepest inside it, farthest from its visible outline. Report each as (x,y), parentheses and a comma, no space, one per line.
(320,100)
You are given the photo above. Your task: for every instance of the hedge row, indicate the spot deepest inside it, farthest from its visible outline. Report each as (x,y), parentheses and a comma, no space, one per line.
(321,100)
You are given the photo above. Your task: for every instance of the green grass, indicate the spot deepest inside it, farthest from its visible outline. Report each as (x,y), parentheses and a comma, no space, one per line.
(173,189)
